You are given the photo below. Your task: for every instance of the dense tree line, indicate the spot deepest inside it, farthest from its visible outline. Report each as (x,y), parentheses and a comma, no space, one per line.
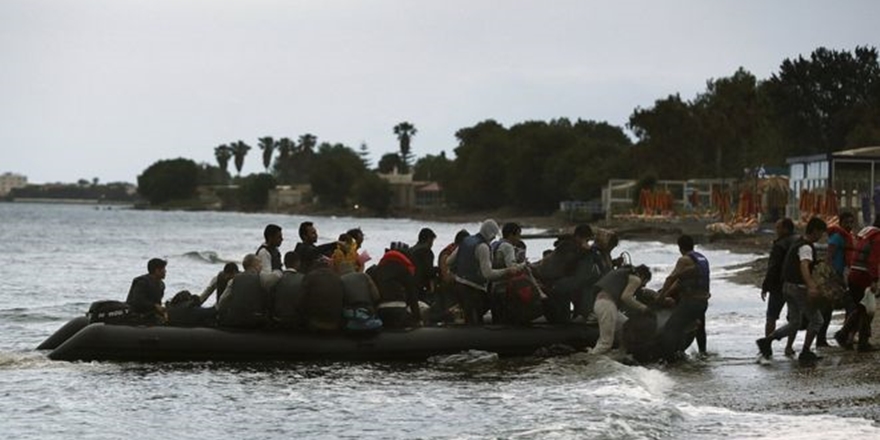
(826,102)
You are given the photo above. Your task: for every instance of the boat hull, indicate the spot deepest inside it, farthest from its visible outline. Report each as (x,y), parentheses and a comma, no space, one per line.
(100,342)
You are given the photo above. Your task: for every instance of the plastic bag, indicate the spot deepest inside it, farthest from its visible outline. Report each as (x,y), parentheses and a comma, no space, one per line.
(869,300)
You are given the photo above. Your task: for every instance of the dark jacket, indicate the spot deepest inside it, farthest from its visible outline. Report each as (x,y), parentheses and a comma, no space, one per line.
(773,278)
(323,294)
(145,294)
(247,305)
(791,269)
(287,298)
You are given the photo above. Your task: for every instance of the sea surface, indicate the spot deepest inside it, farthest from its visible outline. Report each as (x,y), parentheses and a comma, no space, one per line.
(57,259)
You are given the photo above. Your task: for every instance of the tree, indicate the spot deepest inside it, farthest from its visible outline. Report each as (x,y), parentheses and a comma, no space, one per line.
(267,144)
(670,140)
(254,191)
(307,142)
(284,168)
(239,151)
(373,193)
(335,170)
(819,101)
(168,180)
(223,153)
(433,168)
(390,162)
(405,131)
(211,175)
(477,174)
(364,153)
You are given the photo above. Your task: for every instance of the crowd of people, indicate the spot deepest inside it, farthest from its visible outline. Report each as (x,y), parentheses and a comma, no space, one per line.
(846,278)
(328,287)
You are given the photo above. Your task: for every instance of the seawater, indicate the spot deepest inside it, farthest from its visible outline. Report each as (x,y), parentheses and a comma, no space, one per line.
(56,259)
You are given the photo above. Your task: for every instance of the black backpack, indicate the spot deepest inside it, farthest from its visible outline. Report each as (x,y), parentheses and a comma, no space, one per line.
(108,312)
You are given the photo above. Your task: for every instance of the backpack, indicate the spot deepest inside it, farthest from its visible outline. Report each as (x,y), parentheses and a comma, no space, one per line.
(361,320)
(108,312)
(522,300)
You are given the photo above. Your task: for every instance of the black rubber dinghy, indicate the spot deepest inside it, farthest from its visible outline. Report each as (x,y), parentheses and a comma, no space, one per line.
(139,343)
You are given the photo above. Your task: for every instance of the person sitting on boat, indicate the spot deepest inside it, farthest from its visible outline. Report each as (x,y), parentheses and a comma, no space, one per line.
(362,255)
(146,292)
(616,290)
(568,275)
(218,283)
(268,252)
(689,285)
(345,258)
(504,255)
(309,252)
(398,295)
(473,271)
(323,295)
(444,296)
(422,257)
(359,302)
(245,302)
(288,294)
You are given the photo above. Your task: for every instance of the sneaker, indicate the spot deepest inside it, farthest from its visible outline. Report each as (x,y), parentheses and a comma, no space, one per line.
(764,346)
(842,342)
(808,357)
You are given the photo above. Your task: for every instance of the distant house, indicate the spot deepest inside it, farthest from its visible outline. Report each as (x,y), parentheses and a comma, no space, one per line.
(10,181)
(851,176)
(407,193)
(286,197)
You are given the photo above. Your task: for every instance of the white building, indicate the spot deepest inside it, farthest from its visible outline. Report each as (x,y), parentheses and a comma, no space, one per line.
(9,181)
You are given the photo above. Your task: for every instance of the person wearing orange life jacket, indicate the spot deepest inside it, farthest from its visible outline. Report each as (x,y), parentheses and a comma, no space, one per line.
(839,257)
(863,274)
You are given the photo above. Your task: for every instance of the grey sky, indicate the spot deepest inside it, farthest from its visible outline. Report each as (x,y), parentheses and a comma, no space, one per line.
(103,88)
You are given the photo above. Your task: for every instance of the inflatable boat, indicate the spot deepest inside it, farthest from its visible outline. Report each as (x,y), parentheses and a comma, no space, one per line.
(79,340)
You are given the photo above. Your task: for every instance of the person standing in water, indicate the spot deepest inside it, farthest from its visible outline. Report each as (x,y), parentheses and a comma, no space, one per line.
(801,293)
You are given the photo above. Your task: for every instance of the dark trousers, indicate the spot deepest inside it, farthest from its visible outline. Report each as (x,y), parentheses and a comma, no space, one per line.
(858,320)
(687,313)
(472,302)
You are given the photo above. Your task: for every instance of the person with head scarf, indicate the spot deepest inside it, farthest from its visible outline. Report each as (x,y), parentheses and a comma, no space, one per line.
(472,261)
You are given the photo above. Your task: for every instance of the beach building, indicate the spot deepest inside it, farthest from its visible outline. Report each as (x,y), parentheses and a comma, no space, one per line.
(10,181)
(840,180)
(407,193)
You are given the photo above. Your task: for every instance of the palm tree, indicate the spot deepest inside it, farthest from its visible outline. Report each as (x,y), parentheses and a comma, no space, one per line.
(285,147)
(307,143)
(405,131)
(284,162)
(223,153)
(239,151)
(267,144)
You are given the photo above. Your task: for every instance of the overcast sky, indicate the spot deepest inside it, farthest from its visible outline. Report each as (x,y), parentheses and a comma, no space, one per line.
(104,88)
